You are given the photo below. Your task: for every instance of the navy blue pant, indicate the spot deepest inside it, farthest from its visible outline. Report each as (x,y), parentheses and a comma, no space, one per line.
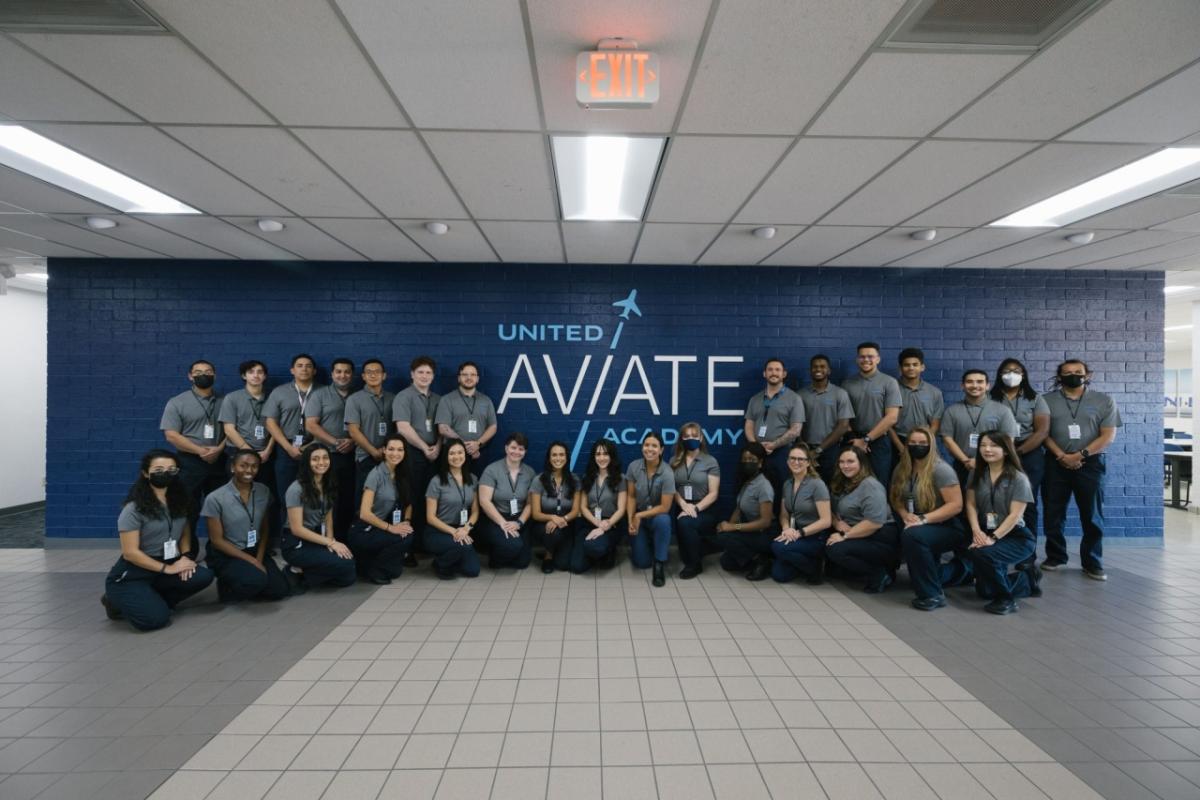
(740,549)
(827,463)
(286,469)
(378,554)
(345,512)
(199,478)
(652,543)
(881,459)
(450,557)
(239,580)
(776,472)
(869,557)
(588,552)
(146,598)
(362,468)
(992,578)
(923,547)
(804,557)
(320,564)
(696,536)
(506,551)
(420,472)
(1034,464)
(1086,485)
(560,545)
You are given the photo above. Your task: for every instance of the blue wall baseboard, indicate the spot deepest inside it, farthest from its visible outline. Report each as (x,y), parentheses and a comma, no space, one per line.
(122,334)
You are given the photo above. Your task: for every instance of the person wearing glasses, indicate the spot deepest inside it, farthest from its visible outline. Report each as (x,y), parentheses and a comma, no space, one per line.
(467,414)
(877,403)
(368,419)
(805,517)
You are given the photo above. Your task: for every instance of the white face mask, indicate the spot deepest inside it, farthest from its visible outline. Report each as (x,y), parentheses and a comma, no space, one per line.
(1011,379)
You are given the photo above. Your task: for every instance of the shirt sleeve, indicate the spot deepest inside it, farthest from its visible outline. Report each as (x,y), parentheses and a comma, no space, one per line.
(668,484)
(943,475)
(845,409)
(1021,490)
(766,492)
(292,497)
(797,415)
(271,408)
(820,490)
(874,504)
(891,397)
(489,415)
(490,476)
(130,519)
(1008,423)
(398,410)
(442,416)
(228,410)
(938,406)
(432,489)
(714,467)
(172,420)
(750,415)
(352,412)
(948,430)
(313,407)
(212,506)
(374,481)
(1041,407)
(1112,417)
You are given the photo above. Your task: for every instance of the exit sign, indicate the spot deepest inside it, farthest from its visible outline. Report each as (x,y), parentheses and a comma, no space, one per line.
(616,79)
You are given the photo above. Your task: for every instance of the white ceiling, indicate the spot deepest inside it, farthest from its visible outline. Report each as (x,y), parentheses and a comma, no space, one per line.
(356,121)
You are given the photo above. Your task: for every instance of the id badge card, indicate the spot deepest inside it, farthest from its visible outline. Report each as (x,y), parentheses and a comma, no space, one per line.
(993,520)
(463,515)
(973,442)
(397,516)
(251,538)
(513,508)
(298,440)
(762,430)
(322,528)
(210,432)
(687,492)
(383,429)
(598,513)
(1074,431)
(792,523)
(472,426)
(429,426)
(170,549)
(910,506)
(260,433)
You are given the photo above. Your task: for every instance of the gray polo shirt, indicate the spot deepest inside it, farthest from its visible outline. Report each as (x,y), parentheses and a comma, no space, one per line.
(286,405)
(602,495)
(505,489)
(1091,412)
(155,530)
(943,476)
(752,495)
(238,518)
(246,413)
(800,504)
(451,498)
(189,414)
(649,489)
(777,414)
(961,422)
(314,516)
(457,411)
(417,410)
(557,502)
(823,411)
(381,483)
(871,398)
(921,407)
(1024,410)
(696,476)
(372,414)
(867,501)
(998,499)
(329,408)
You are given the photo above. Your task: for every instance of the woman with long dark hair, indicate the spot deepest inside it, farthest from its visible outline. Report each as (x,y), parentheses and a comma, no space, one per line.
(383,534)
(554,500)
(152,576)
(504,501)
(308,541)
(697,482)
(604,500)
(237,535)
(1032,413)
(651,484)
(864,543)
(746,537)
(805,514)
(451,511)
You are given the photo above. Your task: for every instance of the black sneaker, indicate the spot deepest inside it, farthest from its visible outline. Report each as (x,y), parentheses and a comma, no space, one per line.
(687,573)
(660,574)
(879,586)
(928,603)
(1096,573)
(111,612)
(410,560)
(1001,607)
(760,571)
(547,566)
(1052,566)
(1030,568)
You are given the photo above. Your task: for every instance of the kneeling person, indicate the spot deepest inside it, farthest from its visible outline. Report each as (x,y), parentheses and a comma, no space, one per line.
(237,535)
(383,535)
(308,541)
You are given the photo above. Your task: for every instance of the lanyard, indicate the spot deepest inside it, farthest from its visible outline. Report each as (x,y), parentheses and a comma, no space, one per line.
(462,491)
(796,487)
(302,399)
(428,398)
(769,401)
(688,469)
(598,498)
(256,407)
(975,419)
(210,413)
(1074,412)
(992,493)
(248,508)
(650,479)
(474,401)
(513,484)
(378,402)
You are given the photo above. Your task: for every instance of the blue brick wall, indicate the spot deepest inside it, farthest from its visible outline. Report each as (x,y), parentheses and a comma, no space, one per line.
(122,333)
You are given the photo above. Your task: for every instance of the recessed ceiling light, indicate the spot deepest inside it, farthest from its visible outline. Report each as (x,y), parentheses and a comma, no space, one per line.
(100,223)
(33,154)
(605,178)
(1177,328)
(437,228)
(1177,289)
(270,225)
(927,235)
(765,232)
(1084,237)
(1144,177)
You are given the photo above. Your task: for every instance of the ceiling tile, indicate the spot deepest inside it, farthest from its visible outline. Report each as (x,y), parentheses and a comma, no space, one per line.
(885,248)
(600,242)
(910,93)
(299,237)
(706,178)
(220,235)
(1188,224)
(669,28)
(738,245)
(667,243)
(932,171)
(295,57)
(136,232)
(37,246)
(83,239)
(21,191)
(963,246)
(158,77)
(158,160)
(816,175)
(31,89)
(1185,251)
(1160,209)
(1110,55)
(1163,114)
(1099,251)
(453,63)
(377,239)
(273,162)
(463,242)
(518,242)
(1041,174)
(1042,246)
(819,244)
(498,175)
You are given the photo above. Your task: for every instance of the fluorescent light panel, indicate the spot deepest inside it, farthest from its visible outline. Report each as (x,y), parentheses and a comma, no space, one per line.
(1177,289)
(605,178)
(1177,328)
(33,154)
(1144,177)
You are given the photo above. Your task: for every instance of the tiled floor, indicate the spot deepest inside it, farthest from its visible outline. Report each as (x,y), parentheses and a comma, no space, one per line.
(23,528)
(533,686)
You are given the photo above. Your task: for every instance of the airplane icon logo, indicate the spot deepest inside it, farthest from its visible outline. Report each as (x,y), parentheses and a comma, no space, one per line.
(629,304)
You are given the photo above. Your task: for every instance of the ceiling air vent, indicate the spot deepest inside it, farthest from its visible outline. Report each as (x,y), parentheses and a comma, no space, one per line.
(985,24)
(77,15)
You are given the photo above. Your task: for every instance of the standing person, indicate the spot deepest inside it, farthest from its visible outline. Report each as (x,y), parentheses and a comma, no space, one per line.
(651,484)
(965,421)
(308,542)
(467,414)
(284,413)
(241,415)
(927,501)
(996,499)
(383,534)
(554,500)
(697,483)
(153,573)
(604,503)
(1083,423)
(504,500)
(189,424)
(864,542)
(1012,387)
(451,511)
(237,535)
(805,515)
(774,418)
(745,539)
(413,412)
(877,403)
(923,404)
(827,415)
(368,418)
(325,421)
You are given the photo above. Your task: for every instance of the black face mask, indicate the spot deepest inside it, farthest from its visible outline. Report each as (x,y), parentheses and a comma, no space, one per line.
(918,451)
(203,381)
(1071,381)
(747,469)
(161,480)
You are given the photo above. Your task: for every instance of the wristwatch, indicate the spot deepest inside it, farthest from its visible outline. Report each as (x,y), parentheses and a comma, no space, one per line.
(1084,452)
(921,517)
(866,438)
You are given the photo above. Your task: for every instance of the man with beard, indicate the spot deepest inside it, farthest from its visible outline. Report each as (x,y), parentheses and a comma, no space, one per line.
(774,418)
(190,425)
(467,413)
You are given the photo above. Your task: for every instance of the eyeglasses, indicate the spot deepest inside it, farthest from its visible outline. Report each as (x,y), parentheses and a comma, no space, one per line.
(171,472)
(372,372)
(797,459)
